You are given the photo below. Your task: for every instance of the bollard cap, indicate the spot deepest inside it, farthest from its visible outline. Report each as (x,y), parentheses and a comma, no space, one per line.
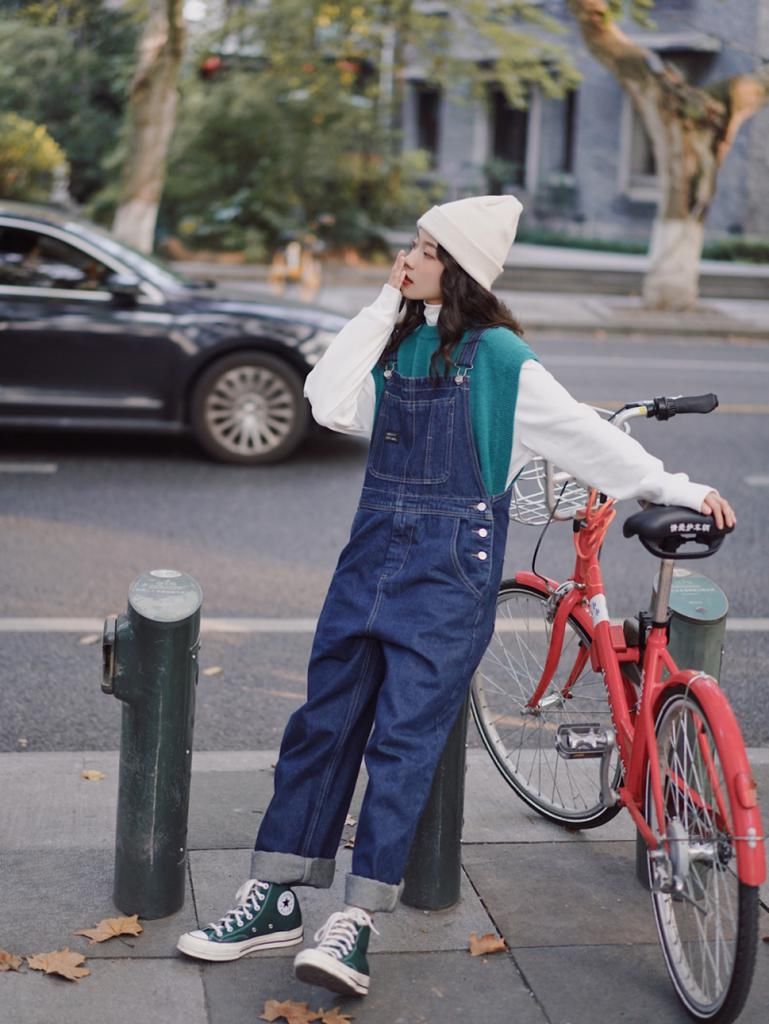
(165,595)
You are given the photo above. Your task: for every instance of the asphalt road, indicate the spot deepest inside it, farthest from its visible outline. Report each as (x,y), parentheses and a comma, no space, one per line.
(81,516)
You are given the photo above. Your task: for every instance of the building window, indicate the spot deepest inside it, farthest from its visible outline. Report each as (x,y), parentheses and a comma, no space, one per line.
(428,119)
(509,136)
(569,132)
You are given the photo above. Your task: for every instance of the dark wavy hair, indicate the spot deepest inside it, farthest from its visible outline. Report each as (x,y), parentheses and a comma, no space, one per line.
(465,305)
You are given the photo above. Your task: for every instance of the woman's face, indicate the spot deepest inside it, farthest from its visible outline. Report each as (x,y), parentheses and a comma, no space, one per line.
(423,270)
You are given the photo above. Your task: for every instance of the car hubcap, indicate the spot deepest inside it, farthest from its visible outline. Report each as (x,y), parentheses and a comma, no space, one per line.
(250,410)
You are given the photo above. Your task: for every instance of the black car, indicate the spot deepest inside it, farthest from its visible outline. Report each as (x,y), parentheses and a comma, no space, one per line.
(94,335)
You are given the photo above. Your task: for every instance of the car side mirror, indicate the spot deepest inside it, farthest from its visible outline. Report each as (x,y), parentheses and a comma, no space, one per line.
(123,286)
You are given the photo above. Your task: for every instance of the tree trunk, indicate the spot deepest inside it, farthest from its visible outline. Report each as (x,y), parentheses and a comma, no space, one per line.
(691,128)
(151,121)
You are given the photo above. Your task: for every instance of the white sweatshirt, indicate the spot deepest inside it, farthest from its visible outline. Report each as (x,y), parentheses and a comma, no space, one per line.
(548,421)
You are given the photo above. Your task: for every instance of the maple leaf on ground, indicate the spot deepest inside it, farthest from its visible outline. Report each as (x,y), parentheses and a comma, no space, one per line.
(291,1012)
(111,927)
(488,943)
(349,843)
(92,775)
(9,961)
(334,1016)
(349,820)
(62,961)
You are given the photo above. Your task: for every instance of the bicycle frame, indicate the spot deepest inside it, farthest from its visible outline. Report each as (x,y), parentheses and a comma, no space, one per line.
(583,598)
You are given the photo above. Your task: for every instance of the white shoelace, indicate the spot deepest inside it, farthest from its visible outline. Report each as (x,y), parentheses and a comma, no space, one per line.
(249,897)
(340,933)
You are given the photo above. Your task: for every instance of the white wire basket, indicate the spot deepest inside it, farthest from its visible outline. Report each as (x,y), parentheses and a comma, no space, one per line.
(542,492)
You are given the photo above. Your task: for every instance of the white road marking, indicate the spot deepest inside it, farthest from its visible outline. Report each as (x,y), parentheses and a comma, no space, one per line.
(28,467)
(634,363)
(757,480)
(251,626)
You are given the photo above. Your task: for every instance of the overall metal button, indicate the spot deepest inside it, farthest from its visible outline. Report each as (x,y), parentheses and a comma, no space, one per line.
(483,532)
(482,555)
(481,506)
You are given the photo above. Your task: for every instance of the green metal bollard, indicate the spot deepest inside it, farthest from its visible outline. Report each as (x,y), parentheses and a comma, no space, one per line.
(698,610)
(434,872)
(151,665)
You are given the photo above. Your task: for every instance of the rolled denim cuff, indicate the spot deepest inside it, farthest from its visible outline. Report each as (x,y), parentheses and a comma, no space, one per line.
(291,869)
(370,895)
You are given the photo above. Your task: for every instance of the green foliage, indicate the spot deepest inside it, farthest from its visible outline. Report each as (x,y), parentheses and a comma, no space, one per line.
(300,127)
(256,158)
(29,160)
(68,66)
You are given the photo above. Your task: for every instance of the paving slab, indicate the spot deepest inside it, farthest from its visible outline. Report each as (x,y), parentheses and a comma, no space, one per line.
(414,988)
(584,984)
(494,813)
(116,992)
(51,894)
(217,874)
(552,894)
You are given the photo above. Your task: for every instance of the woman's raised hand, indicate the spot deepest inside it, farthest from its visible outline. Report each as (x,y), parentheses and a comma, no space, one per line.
(398,271)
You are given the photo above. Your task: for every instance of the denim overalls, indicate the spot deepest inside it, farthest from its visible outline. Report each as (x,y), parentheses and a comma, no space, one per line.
(405,623)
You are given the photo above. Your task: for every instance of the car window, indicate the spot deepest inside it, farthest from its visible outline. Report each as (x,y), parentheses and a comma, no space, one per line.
(33,259)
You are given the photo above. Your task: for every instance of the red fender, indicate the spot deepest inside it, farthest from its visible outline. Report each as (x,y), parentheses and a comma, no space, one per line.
(751,857)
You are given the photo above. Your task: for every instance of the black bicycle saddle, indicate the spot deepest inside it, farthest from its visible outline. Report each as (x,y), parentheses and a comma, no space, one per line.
(663,529)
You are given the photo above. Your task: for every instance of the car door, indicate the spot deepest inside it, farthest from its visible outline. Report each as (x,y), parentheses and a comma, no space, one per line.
(69,348)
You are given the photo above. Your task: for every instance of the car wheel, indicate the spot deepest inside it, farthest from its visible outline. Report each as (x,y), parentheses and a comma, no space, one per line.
(249,408)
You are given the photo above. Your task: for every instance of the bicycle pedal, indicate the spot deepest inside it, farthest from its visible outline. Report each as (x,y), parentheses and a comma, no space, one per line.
(584,740)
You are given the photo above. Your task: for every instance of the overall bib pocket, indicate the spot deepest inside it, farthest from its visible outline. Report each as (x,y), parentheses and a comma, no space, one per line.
(403,450)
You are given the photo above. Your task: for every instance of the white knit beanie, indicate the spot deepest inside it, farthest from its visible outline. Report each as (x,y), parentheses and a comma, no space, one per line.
(477,232)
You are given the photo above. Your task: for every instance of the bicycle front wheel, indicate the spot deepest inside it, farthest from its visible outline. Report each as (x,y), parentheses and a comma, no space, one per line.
(708,923)
(521,739)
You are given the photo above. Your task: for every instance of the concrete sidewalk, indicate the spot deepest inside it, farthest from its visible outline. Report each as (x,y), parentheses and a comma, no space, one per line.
(542,302)
(582,942)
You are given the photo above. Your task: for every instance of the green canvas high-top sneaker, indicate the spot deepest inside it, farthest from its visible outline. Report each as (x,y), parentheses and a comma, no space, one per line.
(339,960)
(266,916)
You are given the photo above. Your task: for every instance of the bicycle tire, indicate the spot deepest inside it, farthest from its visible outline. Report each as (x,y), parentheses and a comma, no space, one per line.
(522,745)
(709,948)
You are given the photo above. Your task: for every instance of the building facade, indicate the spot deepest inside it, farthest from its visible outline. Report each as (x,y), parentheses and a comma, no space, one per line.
(583,165)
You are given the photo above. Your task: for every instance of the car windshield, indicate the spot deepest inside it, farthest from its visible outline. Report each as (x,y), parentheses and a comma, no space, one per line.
(149,267)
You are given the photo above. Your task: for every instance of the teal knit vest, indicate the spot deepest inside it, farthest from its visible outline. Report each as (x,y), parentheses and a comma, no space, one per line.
(493,391)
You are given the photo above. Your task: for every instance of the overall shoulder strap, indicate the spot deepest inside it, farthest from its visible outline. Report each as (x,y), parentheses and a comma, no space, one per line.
(466,356)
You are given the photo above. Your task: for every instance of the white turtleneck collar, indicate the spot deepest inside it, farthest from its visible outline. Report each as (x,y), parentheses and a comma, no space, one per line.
(432,312)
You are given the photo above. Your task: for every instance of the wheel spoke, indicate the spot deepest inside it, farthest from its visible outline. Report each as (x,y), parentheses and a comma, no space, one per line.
(700,934)
(521,739)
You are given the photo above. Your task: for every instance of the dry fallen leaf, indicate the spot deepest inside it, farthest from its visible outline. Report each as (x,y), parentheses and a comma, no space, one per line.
(111,927)
(62,961)
(349,820)
(92,775)
(214,670)
(22,742)
(488,943)
(349,843)
(293,1013)
(91,638)
(9,961)
(334,1016)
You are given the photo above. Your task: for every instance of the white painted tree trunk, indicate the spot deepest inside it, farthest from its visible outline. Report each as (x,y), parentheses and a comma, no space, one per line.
(672,280)
(152,119)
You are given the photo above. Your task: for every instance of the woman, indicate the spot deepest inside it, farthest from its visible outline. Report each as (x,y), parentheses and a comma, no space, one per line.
(456,404)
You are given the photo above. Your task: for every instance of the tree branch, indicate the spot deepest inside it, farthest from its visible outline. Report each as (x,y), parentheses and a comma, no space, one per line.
(610,45)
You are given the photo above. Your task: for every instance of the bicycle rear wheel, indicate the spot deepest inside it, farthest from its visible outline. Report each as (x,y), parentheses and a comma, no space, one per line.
(521,740)
(708,930)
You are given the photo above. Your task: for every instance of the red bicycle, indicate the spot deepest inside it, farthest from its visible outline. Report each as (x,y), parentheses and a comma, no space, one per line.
(584,717)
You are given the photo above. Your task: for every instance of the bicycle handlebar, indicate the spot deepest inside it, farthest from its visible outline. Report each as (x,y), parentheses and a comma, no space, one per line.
(664,408)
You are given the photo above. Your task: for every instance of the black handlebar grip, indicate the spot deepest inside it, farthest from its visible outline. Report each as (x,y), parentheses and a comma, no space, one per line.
(664,408)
